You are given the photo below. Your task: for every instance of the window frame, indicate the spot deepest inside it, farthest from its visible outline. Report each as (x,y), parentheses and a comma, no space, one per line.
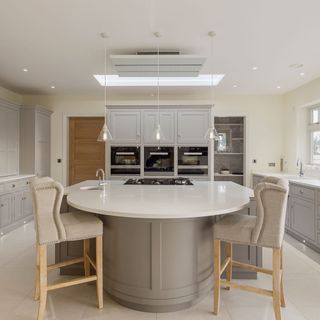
(313,127)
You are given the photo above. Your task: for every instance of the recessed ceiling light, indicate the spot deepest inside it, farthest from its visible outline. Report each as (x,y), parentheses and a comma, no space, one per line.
(25,70)
(235,86)
(254,68)
(53,87)
(302,74)
(278,87)
(203,80)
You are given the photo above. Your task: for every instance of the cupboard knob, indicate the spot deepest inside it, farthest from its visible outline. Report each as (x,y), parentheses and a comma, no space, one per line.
(301,191)
(2,205)
(13,186)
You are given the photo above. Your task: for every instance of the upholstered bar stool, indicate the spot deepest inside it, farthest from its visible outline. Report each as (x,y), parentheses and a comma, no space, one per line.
(53,227)
(264,230)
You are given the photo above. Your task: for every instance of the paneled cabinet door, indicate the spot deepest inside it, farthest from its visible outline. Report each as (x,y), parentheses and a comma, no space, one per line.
(3,142)
(303,218)
(13,141)
(27,208)
(5,210)
(288,213)
(17,205)
(192,126)
(167,124)
(125,127)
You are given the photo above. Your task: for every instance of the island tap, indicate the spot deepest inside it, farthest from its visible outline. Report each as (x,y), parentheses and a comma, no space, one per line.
(103,180)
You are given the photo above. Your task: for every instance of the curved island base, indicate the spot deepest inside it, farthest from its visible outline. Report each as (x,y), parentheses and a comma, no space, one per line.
(158,246)
(157,265)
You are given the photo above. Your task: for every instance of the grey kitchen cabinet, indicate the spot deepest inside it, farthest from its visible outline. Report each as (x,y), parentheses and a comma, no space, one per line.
(5,210)
(125,126)
(15,203)
(303,213)
(167,124)
(192,126)
(35,140)
(74,249)
(9,139)
(302,216)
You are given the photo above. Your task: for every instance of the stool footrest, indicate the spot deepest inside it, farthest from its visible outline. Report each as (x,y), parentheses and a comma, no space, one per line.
(65,263)
(71,282)
(250,267)
(247,288)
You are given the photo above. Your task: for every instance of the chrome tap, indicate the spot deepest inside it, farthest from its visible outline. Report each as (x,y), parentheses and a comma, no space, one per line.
(103,180)
(300,164)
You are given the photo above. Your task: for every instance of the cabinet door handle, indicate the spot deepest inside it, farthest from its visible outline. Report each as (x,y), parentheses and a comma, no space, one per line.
(2,205)
(13,186)
(301,191)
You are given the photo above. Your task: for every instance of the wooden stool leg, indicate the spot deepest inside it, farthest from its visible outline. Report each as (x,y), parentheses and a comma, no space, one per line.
(43,280)
(86,263)
(216,273)
(37,289)
(276,275)
(283,302)
(229,267)
(99,266)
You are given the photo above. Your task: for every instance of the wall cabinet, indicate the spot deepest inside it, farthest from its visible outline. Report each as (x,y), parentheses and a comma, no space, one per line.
(9,139)
(167,123)
(35,141)
(125,127)
(192,126)
(15,203)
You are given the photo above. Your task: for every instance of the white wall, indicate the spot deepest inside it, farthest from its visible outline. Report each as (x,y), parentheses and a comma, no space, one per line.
(264,122)
(295,120)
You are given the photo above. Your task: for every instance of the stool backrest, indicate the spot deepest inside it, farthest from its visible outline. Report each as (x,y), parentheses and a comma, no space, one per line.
(271,196)
(47,196)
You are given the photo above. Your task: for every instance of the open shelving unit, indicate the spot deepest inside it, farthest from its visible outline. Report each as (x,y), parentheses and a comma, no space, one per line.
(229,151)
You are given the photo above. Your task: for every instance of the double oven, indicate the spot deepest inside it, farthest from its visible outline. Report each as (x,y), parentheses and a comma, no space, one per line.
(159,161)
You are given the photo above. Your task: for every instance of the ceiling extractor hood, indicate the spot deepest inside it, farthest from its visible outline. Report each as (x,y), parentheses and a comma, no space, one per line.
(145,64)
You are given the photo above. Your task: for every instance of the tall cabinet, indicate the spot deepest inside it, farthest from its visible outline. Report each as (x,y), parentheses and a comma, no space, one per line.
(35,140)
(9,139)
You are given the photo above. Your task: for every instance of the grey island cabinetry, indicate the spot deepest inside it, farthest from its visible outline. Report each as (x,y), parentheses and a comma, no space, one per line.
(303,211)
(158,244)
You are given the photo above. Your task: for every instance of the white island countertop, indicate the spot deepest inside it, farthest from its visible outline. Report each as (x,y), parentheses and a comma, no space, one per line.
(15,177)
(204,198)
(294,178)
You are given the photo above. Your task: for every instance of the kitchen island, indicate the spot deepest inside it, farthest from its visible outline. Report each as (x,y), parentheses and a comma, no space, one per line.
(158,238)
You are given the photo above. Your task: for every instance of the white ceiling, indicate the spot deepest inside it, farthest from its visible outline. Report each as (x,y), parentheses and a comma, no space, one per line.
(58,41)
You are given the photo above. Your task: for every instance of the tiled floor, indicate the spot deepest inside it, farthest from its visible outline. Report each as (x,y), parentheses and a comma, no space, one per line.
(17,278)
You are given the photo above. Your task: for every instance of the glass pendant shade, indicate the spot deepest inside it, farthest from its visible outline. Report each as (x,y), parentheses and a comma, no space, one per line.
(104,134)
(212,134)
(158,133)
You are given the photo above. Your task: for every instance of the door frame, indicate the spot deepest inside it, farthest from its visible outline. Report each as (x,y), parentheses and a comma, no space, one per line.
(65,140)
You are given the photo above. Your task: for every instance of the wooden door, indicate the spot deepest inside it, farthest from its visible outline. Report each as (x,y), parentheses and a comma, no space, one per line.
(86,154)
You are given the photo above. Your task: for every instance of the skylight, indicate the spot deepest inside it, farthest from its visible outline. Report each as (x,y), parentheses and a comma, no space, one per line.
(203,80)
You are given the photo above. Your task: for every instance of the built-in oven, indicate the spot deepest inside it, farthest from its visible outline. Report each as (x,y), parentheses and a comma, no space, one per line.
(125,161)
(159,161)
(193,161)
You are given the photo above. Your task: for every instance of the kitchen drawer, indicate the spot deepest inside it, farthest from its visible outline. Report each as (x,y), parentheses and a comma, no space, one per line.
(18,184)
(306,193)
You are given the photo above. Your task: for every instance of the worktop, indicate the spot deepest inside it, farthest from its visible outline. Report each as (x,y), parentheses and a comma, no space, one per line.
(294,178)
(203,198)
(16,177)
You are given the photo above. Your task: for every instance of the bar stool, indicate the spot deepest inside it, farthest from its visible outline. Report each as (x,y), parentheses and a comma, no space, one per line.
(53,227)
(264,230)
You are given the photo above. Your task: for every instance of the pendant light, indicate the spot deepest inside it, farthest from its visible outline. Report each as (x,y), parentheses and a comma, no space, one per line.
(212,133)
(105,134)
(158,134)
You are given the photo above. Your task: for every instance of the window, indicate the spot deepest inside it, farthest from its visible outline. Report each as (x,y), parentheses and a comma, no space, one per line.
(314,128)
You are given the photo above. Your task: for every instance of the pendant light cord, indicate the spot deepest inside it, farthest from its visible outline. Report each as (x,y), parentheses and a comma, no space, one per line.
(105,84)
(158,81)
